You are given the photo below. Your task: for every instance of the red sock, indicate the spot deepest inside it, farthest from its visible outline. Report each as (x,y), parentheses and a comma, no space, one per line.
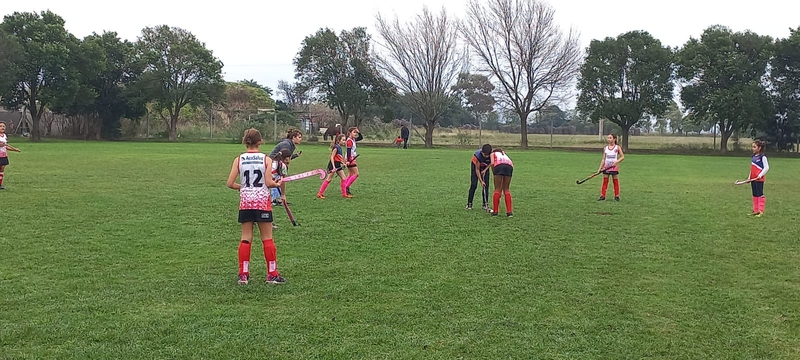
(323,187)
(616,187)
(762,203)
(756,204)
(603,189)
(496,201)
(271,255)
(1,179)
(508,202)
(244,257)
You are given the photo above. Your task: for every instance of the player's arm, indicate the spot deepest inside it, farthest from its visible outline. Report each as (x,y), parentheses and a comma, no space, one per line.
(234,173)
(765,169)
(349,151)
(621,156)
(602,161)
(478,171)
(360,137)
(9,147)
(333,156)
(295,156)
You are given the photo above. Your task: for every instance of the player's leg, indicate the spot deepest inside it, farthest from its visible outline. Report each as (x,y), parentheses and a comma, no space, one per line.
(603,188)
(507,194)
(245,218)
(473,185)
(498,187)
(270,252)
(326,182)
(353,175)
(2,174)
(615,179)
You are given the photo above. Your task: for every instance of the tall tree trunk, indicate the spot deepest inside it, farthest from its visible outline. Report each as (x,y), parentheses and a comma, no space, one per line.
(173,127)
(523,130)
(626,133)
(723,141)
(429,134)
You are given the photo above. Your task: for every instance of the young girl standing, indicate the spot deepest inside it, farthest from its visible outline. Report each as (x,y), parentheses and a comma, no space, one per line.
(758,169)
(254,205)
(352,168)
(612,156)
(334,166)
(502,168)
(4,148)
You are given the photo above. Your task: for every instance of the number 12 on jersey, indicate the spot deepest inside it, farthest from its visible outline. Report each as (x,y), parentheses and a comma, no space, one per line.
(257,182)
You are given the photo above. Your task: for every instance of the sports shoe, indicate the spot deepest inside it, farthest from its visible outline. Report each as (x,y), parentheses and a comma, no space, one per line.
(2,187)
(320,196)
(469,206)
(274,226)
(485,208)
(510,214)
(244,279)
(348,196)
(493,213)
(616,198)
(760,214)
(602,198)
(348,191)
(275,279)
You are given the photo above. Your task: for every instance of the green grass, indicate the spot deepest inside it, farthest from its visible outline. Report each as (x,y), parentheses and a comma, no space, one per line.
(128,250)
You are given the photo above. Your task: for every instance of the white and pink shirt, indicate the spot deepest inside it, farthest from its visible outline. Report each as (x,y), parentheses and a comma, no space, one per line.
(4,140)
(253,194)
(611,155)
(501,159)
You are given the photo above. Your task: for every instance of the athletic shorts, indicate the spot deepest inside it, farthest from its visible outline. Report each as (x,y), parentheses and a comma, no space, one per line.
(336,165)
(611,172)
(352,165)
(3,161)
(255,216)
(503,170)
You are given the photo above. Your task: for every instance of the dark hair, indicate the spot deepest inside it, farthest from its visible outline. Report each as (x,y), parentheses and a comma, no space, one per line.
(761,144)
(614,136)
(293,133)
(283,154)
(251,137)
(351,130)
(336,140)
(486,149)
(498,150)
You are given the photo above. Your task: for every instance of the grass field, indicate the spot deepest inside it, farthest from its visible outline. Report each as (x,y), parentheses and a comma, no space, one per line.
(128,250)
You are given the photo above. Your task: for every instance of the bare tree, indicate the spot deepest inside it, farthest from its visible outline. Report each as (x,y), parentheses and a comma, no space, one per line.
(296,95)
(423,61)
(525,51)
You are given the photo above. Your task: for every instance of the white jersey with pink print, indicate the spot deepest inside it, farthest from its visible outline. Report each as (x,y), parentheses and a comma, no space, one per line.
(254,194)
(501,159)
(611,156)
(3,140)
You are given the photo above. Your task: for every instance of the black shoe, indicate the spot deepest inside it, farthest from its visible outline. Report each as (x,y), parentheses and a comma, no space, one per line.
(2,188)
(602,198)
(276,280)
(616,198)
(494,213)
(469,206)
(510,214)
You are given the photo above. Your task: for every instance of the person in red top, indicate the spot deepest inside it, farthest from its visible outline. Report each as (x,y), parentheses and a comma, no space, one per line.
(253,169)
(335,165)
(353,135)
(503,169)
(758,170)
(4,149)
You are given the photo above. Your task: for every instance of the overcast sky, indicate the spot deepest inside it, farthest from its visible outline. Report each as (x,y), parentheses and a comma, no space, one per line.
(258,39)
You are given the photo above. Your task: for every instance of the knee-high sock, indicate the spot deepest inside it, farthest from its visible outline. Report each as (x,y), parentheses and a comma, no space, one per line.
(244,257)
(344,185)
(496,201)
(271,256)
(350,180)
(756,204)
(323,187)
(616,187)
(762,202)
(508,202)
(604,188)
(1,178)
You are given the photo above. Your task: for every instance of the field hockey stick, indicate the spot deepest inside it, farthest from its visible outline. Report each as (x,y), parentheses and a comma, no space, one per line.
(740,182)
(288,212)
(590,176)
(321,172)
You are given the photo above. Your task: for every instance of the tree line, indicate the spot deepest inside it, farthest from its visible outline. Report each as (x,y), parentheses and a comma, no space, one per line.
(506,57)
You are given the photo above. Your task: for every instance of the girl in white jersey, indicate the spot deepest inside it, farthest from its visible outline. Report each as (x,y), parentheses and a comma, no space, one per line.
(253,169)
(612,156)
(4,149)
(502,168)
(349,160)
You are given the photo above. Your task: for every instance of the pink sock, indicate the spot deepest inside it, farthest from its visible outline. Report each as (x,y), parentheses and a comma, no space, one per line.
(324,186)
(756,204)
(762,202)
(344,185)
(351,180)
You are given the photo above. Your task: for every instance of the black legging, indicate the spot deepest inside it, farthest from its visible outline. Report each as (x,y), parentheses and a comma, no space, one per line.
(405,143)
(758,188)
(473,185)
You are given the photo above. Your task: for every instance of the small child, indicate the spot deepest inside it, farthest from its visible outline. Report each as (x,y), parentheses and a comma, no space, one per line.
(758,169)
(4,148)
(398,142)
(254,206)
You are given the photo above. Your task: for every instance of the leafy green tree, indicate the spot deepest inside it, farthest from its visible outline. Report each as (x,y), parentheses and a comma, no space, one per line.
(255,84)
(41,75)
(242,99)
(475,93)
(342,70)
(624,79)
(783,129)
(722,72)
(179,70)
(11,57)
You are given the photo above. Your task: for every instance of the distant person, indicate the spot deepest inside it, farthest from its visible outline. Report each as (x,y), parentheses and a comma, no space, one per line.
(353,136)
(479,172)
(404,134)
(4,148)
(251,168)
(758,169)
(502,168)
(612,156)
(293,138)
(335,166)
